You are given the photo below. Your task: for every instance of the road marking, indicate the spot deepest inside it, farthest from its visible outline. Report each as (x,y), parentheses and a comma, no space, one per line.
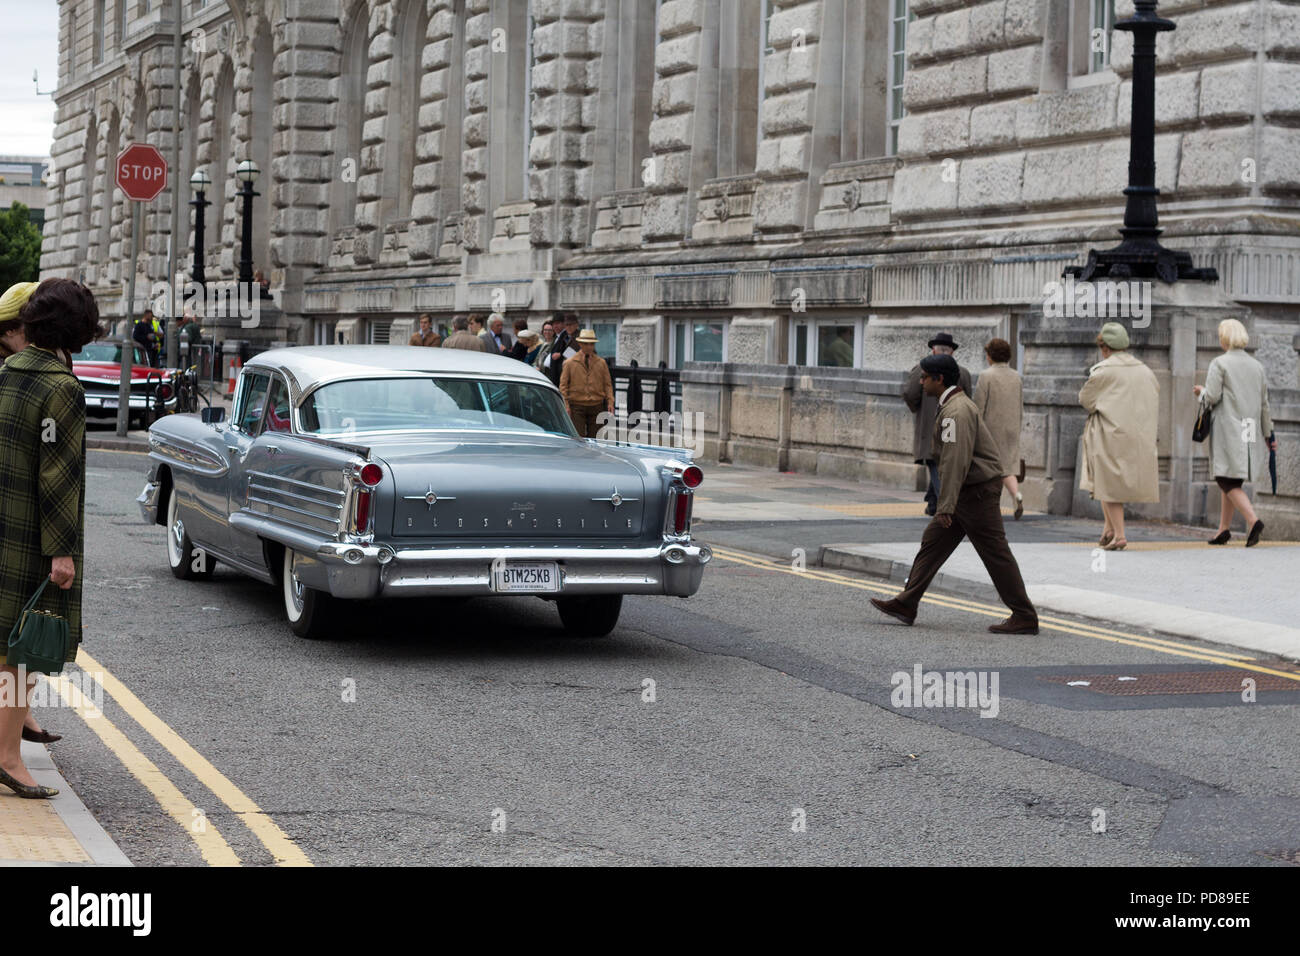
(890,509)
(282,848)
(213,847)
(1162,645)
(115,451)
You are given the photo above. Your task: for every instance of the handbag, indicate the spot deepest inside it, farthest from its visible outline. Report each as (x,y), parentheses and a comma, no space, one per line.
(1204,418)
(39,639)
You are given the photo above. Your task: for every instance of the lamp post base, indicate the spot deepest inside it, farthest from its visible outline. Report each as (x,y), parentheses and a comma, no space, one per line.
(1141,259)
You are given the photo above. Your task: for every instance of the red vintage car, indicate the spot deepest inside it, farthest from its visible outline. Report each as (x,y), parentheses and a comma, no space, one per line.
(99,369)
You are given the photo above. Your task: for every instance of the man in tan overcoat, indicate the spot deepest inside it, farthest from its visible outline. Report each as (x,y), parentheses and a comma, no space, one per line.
(586,386)
(1119,462)
(999,398)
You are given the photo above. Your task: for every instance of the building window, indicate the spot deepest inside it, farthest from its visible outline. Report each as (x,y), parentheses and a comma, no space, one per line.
(606,340)
(124,19)
(349,119)
(325,332)
(764,49)
(99,31)
(511,109)
(377,332)
(830,343)
(698,340)
(899,17)
(1092,27)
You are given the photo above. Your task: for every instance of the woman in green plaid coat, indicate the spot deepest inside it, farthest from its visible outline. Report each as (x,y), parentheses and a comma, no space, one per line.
(42,472)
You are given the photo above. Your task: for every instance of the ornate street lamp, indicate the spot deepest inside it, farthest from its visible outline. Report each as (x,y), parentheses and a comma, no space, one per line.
(199,182)
(247,172)
(1140,255)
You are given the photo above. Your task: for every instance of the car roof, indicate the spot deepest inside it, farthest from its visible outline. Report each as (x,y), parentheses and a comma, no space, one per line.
(310,366)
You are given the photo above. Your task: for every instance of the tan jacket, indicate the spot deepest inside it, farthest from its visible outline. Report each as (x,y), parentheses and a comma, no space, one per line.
(968,455)
(1122,399)
(998,396)
(585,381)
(465,340)
(432,341)
(1237,389)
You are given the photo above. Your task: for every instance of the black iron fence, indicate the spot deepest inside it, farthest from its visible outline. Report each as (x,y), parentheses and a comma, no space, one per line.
(647,399)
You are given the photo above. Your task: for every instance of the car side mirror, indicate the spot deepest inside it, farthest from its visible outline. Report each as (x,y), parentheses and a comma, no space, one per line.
(212,415)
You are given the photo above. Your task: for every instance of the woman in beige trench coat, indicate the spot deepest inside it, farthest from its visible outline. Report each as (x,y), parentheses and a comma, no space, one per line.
(1119,465)
(1237,389)
(999,398)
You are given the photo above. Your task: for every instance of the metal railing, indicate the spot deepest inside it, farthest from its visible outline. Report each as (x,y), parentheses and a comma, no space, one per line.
(647,399)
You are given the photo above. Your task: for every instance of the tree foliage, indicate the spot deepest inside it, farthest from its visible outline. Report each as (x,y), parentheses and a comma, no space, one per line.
(20,247)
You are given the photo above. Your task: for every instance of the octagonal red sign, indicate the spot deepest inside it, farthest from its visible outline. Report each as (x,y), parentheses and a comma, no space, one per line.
(141,172)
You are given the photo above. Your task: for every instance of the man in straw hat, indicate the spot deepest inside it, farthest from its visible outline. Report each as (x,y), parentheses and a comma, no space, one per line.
(586,386)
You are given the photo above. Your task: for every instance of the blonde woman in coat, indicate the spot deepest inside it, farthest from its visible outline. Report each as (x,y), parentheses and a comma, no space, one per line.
(999,396)
(1237,390)
(1119,462)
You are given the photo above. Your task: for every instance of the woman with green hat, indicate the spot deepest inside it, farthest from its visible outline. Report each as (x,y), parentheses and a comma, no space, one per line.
(1119,461)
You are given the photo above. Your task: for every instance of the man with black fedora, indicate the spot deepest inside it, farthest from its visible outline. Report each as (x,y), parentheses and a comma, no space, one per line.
(923,408)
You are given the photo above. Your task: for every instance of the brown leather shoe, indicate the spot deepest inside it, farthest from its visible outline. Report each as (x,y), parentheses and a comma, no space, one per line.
(40,736)
(895,609)
(1015,625)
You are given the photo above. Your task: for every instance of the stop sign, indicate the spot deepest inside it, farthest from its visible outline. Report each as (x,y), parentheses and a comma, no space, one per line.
(141,172)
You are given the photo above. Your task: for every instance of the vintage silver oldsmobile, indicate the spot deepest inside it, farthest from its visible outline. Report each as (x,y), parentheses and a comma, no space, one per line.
(380,471)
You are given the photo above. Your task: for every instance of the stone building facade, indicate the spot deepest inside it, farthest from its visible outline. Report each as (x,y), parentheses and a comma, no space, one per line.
(751,190)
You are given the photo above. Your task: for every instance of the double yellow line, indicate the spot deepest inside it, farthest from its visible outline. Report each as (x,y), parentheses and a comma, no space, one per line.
(211,844)
(1162,645)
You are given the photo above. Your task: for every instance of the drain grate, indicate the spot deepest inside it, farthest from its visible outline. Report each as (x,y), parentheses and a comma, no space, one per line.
(1224,681)
(1286,856)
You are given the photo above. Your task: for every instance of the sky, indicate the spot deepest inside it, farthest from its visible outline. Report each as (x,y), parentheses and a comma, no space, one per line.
(29,40)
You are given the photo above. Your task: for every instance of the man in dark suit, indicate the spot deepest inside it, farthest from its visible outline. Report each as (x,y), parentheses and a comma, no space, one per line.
(922,407)
(969,504)
(568,339)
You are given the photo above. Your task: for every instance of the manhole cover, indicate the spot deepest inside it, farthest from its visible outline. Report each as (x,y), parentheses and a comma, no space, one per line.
(1226,681)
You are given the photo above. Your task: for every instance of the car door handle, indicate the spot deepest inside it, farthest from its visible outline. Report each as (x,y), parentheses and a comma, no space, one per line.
(273,449)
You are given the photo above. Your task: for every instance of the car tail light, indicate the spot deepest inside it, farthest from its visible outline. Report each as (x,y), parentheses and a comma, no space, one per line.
(165,392)
(371,475)
(363,511)
(681,512)
(692,477)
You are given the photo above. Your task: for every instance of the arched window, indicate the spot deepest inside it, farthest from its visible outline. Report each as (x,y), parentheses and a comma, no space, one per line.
(510,114)
(741,43)
(350,110)
(453,133)
(189,158)
(403,125)
(259,148)
(89,162)
(626,94)
(99,31)
(220,166)
(108,198)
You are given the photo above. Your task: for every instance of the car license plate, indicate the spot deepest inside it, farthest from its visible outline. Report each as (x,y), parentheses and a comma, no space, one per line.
(531,576)
(110,403)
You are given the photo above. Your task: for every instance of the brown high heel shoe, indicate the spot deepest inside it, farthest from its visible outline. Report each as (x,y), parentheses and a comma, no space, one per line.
(1115,544)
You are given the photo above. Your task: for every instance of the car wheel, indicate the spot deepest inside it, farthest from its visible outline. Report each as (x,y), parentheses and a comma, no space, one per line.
(186,561)
(591,616)
(307,609)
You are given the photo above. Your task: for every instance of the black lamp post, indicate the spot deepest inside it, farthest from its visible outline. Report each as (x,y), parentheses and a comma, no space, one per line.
(247,172)
(199,182)
(1140,255)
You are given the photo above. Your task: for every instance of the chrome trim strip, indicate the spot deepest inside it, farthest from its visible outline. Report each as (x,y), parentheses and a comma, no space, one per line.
(300,511)
(293,494)
(306,484)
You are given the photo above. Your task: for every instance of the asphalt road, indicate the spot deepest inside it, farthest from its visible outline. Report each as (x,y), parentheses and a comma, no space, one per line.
(476,732)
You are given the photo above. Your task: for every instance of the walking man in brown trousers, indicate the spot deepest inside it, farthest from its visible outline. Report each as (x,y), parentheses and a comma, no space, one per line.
(970,492)
(586,386)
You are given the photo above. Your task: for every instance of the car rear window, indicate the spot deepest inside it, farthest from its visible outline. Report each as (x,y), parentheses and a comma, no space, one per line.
(401,404)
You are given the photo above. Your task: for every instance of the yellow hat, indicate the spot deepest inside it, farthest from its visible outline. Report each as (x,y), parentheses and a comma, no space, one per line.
(15,298)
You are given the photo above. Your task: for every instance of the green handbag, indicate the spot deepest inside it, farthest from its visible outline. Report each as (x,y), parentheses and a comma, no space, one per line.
(39,641)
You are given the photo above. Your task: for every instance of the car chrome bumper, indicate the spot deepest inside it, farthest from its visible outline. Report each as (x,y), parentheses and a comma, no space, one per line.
(369,571)
(148,502)
(96,408)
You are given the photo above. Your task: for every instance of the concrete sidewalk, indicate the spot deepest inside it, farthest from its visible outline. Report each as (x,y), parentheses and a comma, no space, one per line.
(1167,580)
(59,831)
